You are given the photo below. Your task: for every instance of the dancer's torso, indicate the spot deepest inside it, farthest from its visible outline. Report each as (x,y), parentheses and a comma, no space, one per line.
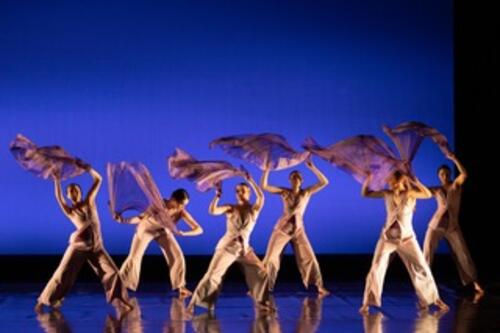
(294,206)
(448,207)
(240,221)
(399,221)
(153,223)
(86,220)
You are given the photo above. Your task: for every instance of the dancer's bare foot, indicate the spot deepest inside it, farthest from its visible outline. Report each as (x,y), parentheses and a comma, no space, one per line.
(364,309)
(323,292)
(477,288)
(265,307)
(442,306)
(123,305)
(190,309)
(39,308)
(184,292)
(477,297)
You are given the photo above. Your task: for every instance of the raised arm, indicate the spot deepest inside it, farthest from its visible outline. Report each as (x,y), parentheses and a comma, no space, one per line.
(266,186)
(419,190)
(196,229)
(259,201)
(59,196)
(462,173)
(214,208)
(367,193)
(322,180)
(96,184)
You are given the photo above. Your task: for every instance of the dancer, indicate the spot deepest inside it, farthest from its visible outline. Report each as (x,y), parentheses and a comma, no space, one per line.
(234,247)
(150,228)
(445,224)
(85,244)
(398,236)
(290,228)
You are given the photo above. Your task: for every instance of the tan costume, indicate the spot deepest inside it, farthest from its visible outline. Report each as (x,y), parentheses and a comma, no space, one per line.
(85,245)
(398,236)
(233,247)
(290,229)
(444,224)
(148,229)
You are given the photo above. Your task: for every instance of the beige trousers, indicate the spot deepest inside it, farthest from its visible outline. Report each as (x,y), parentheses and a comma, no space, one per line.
(208,288)
(413,258)
(131,267)
(304,255)
(65,275)
(459,250)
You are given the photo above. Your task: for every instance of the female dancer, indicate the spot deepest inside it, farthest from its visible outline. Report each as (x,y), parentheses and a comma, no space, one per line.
(444,223)
(290,228)
(148,229)
(398,236)
(234,246)
(85,244)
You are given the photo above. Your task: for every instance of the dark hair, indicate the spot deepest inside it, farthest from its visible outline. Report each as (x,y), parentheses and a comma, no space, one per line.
(295,173)
(180,195)
(74,185)
(397,175)
(244,184)
(444,167)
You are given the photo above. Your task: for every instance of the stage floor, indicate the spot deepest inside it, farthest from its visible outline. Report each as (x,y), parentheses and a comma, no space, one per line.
(158,310)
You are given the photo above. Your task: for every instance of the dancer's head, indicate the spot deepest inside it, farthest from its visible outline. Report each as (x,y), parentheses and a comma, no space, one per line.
(444,174)
(74,192)
(397,181)
(180,196)
(243,192)
(295,179)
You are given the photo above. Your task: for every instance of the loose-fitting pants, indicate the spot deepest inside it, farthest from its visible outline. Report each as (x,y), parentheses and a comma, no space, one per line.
(131,267)
(208,288)
(304,255)
(65,275)
(413,258)
(459,250)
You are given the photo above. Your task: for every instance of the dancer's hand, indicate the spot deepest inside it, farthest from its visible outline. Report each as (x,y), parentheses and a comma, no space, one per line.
(82,164)
(247,176)
(218,189)
(309,163)
(451,156)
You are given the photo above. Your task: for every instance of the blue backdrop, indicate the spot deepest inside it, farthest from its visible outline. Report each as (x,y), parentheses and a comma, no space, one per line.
(132,80)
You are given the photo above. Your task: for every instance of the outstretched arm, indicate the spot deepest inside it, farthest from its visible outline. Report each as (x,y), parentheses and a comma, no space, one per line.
(266,186)
(96,184)
(59,196)
(214,208)
(322,180)
(259,202)
(196,229)
(367,193)
(462,173)
(126,220)
(419,190)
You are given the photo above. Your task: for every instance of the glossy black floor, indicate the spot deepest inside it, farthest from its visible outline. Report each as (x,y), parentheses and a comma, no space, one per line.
(158,310)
